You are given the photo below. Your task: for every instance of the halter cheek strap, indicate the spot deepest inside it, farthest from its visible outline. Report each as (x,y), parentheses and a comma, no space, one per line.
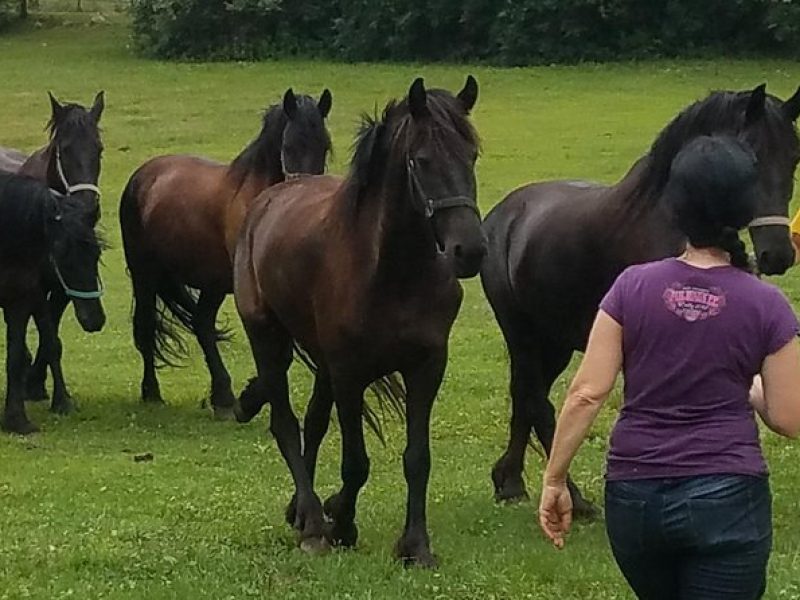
(769,220)
(427,204)
(71,189)
(77,294)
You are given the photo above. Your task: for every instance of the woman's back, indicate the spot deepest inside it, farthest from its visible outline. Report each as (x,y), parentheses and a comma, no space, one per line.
(693,339)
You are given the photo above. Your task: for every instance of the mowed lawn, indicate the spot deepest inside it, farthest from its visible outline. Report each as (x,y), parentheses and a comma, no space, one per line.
(79,517)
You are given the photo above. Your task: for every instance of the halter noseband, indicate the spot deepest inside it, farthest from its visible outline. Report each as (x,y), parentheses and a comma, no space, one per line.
(77,294)
(426,204)
(769,220)
(71,189)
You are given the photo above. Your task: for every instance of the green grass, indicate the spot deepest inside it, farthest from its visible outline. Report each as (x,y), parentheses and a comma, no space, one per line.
(80,518)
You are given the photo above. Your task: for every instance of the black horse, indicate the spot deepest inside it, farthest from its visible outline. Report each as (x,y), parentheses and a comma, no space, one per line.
(40,231)
(556,247)
(362,273)
(70,165)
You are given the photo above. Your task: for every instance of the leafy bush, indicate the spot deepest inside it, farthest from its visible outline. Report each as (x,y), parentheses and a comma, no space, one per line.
(9,10)
(500,31)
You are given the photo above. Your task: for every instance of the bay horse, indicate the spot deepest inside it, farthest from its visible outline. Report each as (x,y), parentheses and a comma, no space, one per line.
(70,165)
(361,275)
(180,216)
(40,231)
(556,247)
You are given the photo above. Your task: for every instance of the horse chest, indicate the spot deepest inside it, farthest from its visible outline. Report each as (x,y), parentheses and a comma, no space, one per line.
(17,281)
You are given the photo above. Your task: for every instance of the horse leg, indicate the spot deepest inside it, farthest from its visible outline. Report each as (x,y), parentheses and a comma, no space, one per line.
(341,507)
(315,426)
(144,332)
(422,384)
(222,398)
(14,418)
(50,350)
(526,386)
(56,305)
(544,424)
(272,350)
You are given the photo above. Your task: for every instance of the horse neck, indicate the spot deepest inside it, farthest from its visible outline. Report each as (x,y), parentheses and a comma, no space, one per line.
(41,166)
(639,226)
(260,162)
(402,238)
(25,219)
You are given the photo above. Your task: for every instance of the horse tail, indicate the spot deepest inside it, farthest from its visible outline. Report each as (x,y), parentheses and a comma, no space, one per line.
(388,391)
(171,304)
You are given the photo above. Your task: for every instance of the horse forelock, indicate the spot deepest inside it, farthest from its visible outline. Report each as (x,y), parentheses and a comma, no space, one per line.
(395,134)
(76,123)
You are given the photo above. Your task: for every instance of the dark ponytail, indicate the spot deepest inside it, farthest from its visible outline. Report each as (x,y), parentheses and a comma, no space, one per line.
(712,190)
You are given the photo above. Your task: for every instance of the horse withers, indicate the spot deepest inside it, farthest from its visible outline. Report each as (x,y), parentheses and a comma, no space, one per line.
(362,275)
(40,231)
(180,216)
(556,247)
(70,165)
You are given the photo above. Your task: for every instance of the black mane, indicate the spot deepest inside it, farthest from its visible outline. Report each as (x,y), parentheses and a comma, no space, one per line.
(722,112)
(263,154)
(25,206)
(395,133)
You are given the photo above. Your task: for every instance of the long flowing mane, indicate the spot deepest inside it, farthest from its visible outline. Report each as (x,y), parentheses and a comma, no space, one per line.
(395,133)
(720,112)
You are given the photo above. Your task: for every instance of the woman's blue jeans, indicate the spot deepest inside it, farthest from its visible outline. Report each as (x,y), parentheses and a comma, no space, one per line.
(700,538)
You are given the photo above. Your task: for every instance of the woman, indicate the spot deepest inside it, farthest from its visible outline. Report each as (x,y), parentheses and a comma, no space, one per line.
(688,506)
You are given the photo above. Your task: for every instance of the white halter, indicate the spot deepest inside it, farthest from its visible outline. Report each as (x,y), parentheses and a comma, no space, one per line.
(770,220)
(71,189)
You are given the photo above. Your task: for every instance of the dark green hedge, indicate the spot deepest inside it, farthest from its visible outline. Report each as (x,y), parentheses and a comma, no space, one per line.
(500,31)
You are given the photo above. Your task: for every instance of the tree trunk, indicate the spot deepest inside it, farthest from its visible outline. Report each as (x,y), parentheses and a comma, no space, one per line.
(23,9)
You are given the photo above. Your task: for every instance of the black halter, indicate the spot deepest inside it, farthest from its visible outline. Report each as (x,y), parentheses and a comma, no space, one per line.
(425,204)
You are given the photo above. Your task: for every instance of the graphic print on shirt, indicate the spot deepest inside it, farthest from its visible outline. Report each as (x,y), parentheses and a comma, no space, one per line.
(693,303)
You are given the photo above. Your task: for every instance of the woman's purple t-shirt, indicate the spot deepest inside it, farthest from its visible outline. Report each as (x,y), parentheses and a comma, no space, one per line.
(693,339)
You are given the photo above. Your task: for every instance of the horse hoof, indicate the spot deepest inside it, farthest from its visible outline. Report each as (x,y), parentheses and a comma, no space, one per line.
(224,413)
(153,399)
(242,415)
(342,535)
(508,488)
(420,557)
(18,425)
(315,546)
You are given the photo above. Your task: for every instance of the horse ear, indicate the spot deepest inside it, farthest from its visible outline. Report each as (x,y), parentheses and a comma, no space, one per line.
(290,104)
(469,95)
(791,108)
(98,106)
(757,104)
(325,103)
(418,99)
(56,107)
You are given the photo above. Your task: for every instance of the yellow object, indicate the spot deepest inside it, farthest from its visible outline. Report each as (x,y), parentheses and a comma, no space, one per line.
(794,229)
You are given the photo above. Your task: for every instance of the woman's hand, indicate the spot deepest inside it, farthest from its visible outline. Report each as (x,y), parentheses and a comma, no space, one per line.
(555,512)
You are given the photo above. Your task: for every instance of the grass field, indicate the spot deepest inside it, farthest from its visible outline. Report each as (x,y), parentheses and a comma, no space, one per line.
(204,519)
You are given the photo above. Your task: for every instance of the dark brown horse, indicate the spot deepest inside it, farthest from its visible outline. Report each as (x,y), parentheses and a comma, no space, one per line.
(362,274)
(555,248)
(180,216)
(39,231)
(70,165)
